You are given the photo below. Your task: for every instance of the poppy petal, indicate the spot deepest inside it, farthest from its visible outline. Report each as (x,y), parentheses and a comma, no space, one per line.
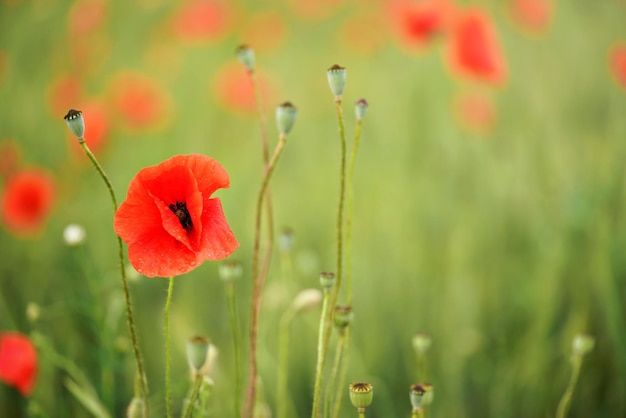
(218,241)
(160,255)
(18,362)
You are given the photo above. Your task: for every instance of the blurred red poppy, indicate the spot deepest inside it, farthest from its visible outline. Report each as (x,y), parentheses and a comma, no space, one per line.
(139,101)
(18,362)
(202,20)
(533,15)
(234,90)
(86,16)
(617,63)
(27,201)
(473,48)
(419,22)
(475,112)
(96,117)
(64,92)
(169,220)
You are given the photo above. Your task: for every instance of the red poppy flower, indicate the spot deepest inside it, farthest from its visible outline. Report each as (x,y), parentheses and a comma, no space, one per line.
(139,100)
(234,89)
(18,362)
(617,63)
(169,220)
(86,17)
(202,20)
(10,155)
(419,22)
(473,48)
(533,15)
(27,201)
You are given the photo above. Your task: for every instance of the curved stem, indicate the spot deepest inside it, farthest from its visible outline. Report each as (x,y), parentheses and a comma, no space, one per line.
(258,280)
(321,357)
(197,383)
(561,411)
(166,315)
(129,304)
(234,325)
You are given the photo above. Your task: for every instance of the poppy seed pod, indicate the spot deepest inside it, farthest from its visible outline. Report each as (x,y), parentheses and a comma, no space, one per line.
(230,270)
(76,123)
(285,117)
(361,394)
(327,279)
(343,316)
(421,394)
(245,54)
(197,351)
(336,79)
(360,108)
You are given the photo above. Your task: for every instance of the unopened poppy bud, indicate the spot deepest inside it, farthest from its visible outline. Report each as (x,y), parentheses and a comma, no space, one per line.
(306,299)
(421,342)
(582,344)
(361,394)
(286,239)
(327,279)
(245,54)
(285,117)
(343,316)
(230,270)
(421,394)
(33,312)
(136,409)
(197,351)
(336,79)
(76,123)
(74,235)
(360,108)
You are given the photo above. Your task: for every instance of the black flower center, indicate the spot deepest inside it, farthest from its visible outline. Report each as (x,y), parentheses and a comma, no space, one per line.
(180,210)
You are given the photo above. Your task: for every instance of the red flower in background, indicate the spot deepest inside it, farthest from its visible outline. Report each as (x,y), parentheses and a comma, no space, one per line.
(10,155)
(533,15)
(202,20)
(18,362)
(473,49)
(234,89)
(364,32)
(27,201)
(64,92)
(139,100)
(169,220)
(86,17)
(96,119)
(475,112)
(418,22)
(617,63)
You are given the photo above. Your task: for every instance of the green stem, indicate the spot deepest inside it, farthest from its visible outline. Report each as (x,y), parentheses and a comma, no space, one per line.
(282,396)
(561,412)
(332,385)
(168,386)
(361,412)
(129,304)
(417,413)
(342,373)
(321,354)
(258,280)
(197,383)
(355,150)
(234,325)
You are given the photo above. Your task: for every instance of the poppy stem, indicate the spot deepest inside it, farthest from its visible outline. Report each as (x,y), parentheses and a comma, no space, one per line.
(342,373)
(317,389)
(339,269)
(334,374)
(350,204)
(564,403)
(168,386)
(258,279)
(129,304)
(197,384)
(234,324)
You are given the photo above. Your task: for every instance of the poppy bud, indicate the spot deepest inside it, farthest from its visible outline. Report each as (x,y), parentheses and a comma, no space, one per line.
(136,408)
(361,394)
(336,79)
(286,239)
(306,299)
(73,235)
(360,108)
(33,311)
(197,351)
(421,394)
(582,344)
(286,117)
(76,123)
(245,54)
(327,280)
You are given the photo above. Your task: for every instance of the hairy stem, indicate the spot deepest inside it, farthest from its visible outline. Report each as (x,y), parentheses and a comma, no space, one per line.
(319,368)
(166,315)
(234,325)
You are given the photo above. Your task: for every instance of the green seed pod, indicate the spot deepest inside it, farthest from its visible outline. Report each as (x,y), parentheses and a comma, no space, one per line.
(421,342)
(336,79)
(285,117)
(76,123)
(230,270)
(360,108)
(421,394)
(361,394)
(245,54)
(343,316)
(327,280)
(197,352)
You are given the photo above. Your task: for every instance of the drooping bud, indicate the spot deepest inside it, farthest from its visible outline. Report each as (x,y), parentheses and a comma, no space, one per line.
(361,394)
(33,311)
(136,408)
(343,316)
(286,239)
(582,344)
(336,79)
(306,299)
(230,270)
(285,117)
(76,123)
(197,351)
(360,108)
(245,54)
(327,280)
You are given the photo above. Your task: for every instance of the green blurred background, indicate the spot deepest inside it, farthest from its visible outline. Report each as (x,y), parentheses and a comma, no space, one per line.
(501,244)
